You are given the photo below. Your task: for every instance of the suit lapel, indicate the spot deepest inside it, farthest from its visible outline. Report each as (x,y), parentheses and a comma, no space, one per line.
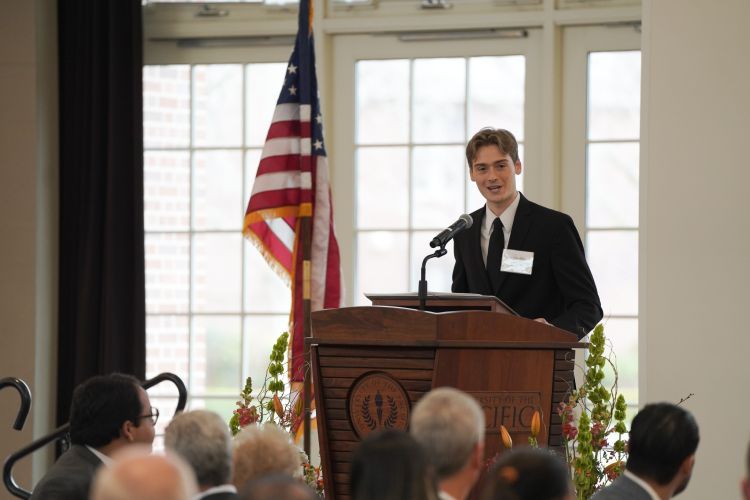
(521,224)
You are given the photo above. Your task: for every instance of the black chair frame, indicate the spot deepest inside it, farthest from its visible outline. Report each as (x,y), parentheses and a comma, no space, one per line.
(62,431)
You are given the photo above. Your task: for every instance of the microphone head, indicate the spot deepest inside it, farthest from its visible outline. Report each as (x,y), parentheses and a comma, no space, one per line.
(467,219)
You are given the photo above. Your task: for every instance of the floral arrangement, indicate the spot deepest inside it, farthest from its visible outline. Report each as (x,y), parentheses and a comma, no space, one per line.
(591,417)
(269,407)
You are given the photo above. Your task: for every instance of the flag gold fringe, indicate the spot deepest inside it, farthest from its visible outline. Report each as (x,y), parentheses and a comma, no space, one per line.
(298,211)
(301,210)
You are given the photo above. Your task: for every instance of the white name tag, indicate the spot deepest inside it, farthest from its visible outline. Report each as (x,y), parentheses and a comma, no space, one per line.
(517,261)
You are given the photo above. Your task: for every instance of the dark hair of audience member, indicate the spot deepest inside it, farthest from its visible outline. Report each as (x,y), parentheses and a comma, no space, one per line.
(391,465)
(528,474)
(276,487)
(101,405)
(662,436)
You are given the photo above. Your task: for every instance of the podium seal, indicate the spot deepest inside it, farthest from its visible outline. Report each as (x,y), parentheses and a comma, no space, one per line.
(377,401)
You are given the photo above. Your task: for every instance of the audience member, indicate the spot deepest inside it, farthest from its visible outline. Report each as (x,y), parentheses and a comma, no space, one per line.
(108,413)
(661,455)
(529,474)
(277,487)
(135,474)
(449,424)
(391,465)
(202,438)
(262,450)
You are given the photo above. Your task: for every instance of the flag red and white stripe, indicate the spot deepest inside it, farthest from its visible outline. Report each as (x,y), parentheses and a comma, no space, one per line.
(292,183)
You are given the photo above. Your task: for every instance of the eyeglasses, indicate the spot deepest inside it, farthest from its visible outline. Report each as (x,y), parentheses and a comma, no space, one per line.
(154,415)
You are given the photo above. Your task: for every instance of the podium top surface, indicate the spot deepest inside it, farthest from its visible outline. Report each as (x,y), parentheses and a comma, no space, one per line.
(443,301)
(407,326)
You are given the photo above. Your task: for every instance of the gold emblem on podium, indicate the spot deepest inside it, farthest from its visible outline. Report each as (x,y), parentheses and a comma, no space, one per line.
(377,401)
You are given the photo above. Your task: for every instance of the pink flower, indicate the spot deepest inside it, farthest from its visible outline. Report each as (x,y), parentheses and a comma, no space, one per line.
(597,429)
(570,431)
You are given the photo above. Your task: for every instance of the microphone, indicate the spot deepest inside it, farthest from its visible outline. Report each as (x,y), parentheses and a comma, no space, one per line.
(447,234)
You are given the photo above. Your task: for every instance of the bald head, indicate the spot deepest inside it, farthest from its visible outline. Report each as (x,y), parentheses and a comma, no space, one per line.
(136,475)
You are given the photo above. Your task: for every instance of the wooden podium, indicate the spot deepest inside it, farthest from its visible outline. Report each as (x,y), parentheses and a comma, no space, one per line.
(370,365)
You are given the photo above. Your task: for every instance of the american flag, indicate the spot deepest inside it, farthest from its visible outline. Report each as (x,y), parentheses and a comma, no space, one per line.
(292,183)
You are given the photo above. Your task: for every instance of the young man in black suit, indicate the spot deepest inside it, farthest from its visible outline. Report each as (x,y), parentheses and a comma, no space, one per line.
(527,255)
(107,414)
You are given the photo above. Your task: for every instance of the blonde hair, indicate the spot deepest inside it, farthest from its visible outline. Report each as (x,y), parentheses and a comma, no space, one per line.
(262,450)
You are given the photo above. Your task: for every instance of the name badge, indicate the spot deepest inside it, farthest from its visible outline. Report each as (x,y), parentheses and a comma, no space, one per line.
(517,261)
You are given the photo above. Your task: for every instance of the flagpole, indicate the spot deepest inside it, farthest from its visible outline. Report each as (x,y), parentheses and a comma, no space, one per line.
(305,229)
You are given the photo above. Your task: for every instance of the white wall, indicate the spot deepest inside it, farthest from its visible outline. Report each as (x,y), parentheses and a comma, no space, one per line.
(695,218)
(28,219)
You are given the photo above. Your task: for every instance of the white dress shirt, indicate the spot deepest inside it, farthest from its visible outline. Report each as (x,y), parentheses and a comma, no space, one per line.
(507,217)
(101,456)
(224,488)
(445,496)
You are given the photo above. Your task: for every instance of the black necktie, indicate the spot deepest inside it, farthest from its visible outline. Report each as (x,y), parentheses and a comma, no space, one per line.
(495,252)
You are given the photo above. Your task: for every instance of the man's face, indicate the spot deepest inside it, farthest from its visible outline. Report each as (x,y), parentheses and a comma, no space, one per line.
(494,173)
(144,433)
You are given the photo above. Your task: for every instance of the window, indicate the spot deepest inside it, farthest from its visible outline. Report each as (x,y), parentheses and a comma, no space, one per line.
(600,177)
(412,119)
(411,135)
(214,307)
(612,158)
(398,115)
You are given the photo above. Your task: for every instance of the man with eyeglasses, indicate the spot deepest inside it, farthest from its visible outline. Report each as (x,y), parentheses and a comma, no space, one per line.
(108,413)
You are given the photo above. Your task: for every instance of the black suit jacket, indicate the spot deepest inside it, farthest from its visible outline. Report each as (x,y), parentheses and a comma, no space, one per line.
(623,488)
(560,288)
(70,477)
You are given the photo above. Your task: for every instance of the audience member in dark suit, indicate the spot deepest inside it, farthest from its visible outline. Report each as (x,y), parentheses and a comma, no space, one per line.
(527,255)
(136,474)
(662,445)
(449,424)
(202,438)
(391,465)
(108,413)
(529,474)
(277,487)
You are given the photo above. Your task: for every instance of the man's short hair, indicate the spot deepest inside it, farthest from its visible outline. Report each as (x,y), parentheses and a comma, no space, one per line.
(261,450)
(101,405)
(448,424)
(488,136)
(202,438)
(662,436)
